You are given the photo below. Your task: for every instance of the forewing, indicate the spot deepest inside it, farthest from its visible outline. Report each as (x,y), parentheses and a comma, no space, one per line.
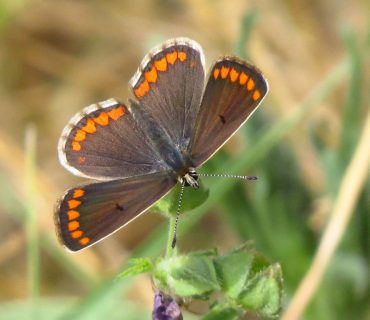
(104,142)
(233,92)
(169,86)
(87,214)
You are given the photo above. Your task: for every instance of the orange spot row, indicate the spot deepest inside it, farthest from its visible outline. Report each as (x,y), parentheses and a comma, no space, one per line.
(73,224)
(90,127)
(73,204)
(73,228)
(234,75)
(158,65)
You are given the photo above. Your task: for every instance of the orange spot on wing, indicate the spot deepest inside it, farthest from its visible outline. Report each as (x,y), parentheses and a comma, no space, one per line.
(233,75)
(80,135)
(224,72)
(116,113)
(151,75)
(142,89)
(78,193)
(182,56)
(84,241)
(73,225)
(250,84)
(76,146)
(81,160)
(161,65)
(243,78)
(171,57)
(76,234)
(102,119)
(89,126)
(216,73)
(73,214)
(73,203)
(256,95)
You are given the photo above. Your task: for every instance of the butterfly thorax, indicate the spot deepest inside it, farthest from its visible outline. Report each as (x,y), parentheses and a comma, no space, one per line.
(190,179)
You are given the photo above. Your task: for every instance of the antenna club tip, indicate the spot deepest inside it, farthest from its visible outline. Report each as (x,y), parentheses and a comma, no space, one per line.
(173,245)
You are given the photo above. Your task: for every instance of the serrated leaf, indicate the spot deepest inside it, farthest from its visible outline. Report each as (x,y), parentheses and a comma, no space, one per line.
(137,266)
(263,292)
(233,270)
(220,312)
(187,276)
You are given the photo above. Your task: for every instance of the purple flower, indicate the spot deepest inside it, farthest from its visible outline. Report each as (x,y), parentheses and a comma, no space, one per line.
(165,308)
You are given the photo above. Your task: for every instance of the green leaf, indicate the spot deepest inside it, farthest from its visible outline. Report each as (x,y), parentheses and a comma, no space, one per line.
(191,275)
(263,292)
(137,266)
(191,199)
(233,270)
(222,312)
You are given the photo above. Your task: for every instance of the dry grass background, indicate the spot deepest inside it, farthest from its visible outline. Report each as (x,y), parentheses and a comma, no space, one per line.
(58,56)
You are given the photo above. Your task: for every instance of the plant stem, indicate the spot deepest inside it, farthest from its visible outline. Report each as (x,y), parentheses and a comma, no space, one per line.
(349,192)
(33,263)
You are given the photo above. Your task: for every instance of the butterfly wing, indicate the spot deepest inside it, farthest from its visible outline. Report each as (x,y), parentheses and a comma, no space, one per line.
(87,214)
(233,92)
(168,87)
(105,142)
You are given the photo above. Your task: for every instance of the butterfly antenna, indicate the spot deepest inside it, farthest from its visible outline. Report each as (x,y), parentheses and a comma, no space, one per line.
(179,204)
(217,175)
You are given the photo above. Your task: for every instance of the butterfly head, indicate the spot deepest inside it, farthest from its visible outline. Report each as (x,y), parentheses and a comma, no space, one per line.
(190,179)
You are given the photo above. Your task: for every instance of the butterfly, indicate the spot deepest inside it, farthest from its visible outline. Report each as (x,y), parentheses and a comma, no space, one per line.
(139,150)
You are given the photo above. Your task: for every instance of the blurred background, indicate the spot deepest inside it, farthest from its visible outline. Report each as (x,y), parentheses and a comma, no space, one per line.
(57,57)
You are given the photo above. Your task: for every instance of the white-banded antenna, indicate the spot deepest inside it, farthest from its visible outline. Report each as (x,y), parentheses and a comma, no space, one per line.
(179,204)
(220,175)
